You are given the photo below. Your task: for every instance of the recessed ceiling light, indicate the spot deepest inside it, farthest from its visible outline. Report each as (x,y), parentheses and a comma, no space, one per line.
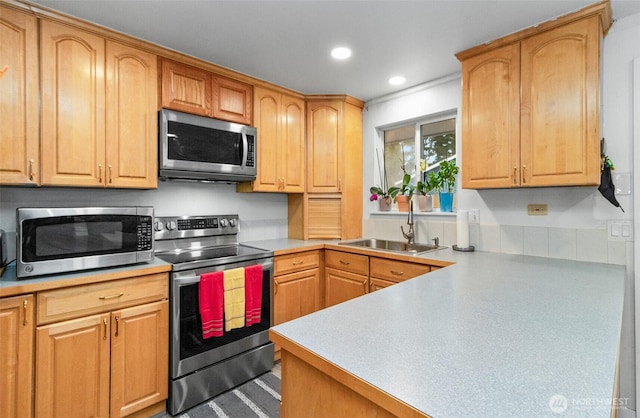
(341,53)
(397,80)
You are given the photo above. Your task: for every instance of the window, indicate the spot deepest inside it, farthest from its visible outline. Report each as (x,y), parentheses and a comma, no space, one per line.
(418,148)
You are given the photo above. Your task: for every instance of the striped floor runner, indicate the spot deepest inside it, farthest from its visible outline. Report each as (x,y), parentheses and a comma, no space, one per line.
(259,397)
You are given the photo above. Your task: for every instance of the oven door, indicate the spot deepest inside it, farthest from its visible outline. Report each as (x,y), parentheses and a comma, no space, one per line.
(188,350)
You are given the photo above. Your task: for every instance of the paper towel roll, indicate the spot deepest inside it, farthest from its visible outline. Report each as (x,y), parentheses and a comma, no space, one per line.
(463,229)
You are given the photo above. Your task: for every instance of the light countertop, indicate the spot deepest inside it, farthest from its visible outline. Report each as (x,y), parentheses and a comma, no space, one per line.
(492,335)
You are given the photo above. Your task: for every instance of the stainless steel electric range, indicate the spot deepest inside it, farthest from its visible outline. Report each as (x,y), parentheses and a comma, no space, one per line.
(201,368)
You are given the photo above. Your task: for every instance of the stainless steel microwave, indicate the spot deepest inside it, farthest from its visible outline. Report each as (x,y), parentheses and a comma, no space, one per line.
(59,240)
(199,148)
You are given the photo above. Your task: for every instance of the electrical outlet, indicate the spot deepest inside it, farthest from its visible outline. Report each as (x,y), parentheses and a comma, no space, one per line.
(539,209)
(474,216)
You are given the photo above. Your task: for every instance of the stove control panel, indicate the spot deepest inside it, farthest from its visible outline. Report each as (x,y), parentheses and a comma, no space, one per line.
(172,227)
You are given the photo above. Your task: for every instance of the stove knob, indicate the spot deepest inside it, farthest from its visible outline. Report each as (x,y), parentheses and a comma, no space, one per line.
(232,223)
(171,225)
(224,223)
(159,226)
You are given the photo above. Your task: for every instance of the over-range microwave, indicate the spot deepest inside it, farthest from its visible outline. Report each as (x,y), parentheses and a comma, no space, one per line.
(200,148)
(59,240)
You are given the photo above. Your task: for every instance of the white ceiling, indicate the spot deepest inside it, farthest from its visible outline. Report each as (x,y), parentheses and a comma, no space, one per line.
(288,42)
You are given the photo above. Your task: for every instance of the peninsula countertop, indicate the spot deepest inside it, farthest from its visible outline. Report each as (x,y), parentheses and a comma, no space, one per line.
(492,335)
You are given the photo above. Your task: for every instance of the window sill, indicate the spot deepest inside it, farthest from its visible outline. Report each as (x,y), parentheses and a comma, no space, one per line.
(435,213)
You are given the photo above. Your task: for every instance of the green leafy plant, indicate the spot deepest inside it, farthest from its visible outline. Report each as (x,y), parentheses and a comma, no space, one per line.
(427,186)
(447,176)
(406,188)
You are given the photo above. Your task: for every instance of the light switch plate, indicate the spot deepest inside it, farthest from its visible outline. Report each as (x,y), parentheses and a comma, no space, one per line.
(619,231)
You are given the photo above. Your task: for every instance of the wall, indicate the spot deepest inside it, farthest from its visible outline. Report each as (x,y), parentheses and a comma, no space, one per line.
(262,215)
(576,226)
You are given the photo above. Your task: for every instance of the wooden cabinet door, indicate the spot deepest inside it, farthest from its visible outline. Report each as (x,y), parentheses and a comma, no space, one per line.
(72,368)
(292,145)
(342,286)
(377,284)
(296,294)
(267,121)
(324,142)
(560,91)
(139,357)
(232,100)
(131,118)
(72,110)
(16,356)
(19,135)
(279,119)
(491,119)
(186,89)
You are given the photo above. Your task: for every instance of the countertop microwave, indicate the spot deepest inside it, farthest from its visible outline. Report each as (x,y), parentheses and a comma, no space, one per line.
(60,240)
(194,147)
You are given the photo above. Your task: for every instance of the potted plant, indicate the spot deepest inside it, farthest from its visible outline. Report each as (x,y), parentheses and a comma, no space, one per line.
(404,193)
(424,190)
(383,197)
(447,184)
(381,194)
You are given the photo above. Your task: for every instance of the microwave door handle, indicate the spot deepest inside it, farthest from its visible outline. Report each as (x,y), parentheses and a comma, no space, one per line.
(240,149)
(172,136)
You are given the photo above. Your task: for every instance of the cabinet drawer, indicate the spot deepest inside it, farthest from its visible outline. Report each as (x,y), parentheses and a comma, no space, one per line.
(396,271)
(72,302)
(296,262)
(355,263)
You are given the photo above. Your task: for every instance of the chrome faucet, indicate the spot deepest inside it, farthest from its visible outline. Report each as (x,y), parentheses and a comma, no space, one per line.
(409,235)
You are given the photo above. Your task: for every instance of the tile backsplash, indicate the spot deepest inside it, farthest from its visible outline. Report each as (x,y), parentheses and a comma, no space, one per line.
(567,243)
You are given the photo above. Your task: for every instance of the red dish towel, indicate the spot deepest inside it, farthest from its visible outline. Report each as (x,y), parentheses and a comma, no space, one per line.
(210,298)
(253,294)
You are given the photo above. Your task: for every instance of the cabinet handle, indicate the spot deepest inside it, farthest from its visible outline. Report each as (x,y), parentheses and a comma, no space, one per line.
(515,174)
(117,319)
(111,297)
(275,287)
(110,174)
(297,263)
(99,173)
(396,272)
(104,323)
(524,176)
(364,285)
(4,70)
(339,185)
(24,311)
(346,263)
(31,170)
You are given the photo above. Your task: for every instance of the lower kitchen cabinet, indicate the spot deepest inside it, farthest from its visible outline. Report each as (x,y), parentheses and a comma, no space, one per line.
(16,356)
(296,286)
(346,276)
(110,363)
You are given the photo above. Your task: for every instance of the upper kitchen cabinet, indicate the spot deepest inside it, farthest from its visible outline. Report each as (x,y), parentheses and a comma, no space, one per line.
(194,90)
(530,106)
(19,140)
(98,112)
(332,204)
(280,120)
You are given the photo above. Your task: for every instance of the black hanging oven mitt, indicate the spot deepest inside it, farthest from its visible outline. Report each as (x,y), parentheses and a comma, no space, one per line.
(607,188)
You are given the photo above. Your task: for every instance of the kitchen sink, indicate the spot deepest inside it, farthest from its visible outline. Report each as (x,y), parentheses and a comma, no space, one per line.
(394,246)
